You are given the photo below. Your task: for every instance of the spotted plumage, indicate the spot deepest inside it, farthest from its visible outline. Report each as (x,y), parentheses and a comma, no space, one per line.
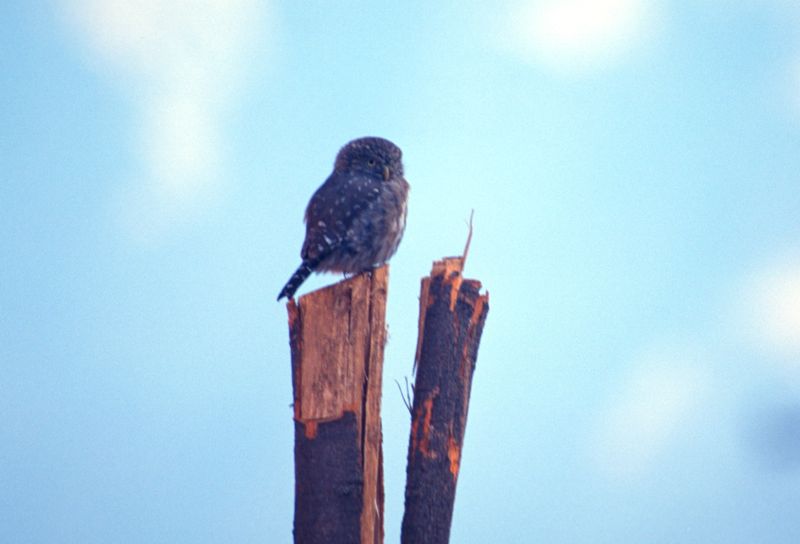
(356,219)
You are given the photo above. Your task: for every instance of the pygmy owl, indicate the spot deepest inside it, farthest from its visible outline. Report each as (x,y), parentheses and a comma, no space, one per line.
(355,220)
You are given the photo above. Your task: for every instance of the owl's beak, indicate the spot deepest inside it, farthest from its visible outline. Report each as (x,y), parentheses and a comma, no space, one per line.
(386,173)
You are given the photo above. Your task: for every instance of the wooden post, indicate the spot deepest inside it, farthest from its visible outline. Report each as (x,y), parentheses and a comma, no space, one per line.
(451,319)
(337,335)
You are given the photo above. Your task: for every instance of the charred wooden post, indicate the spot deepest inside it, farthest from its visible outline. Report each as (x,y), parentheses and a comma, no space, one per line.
(452,315)
(337,336)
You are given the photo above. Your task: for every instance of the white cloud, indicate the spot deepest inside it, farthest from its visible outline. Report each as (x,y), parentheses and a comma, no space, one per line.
(771,309)
(580,36)
(182,62)
(656,401)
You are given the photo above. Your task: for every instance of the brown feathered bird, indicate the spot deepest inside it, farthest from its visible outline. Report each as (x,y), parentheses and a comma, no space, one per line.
(356,219)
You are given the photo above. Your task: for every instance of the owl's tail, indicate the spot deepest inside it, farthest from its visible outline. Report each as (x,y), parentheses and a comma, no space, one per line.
(300,275)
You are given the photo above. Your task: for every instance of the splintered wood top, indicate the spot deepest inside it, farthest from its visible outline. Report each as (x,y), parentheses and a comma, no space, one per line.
(341,326)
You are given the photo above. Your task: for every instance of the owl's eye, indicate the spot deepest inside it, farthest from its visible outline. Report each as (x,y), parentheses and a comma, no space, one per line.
(371,162)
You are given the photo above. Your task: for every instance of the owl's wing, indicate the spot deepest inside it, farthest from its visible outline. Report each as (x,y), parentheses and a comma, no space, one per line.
(333,209)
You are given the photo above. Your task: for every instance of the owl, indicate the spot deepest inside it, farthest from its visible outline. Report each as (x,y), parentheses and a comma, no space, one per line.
(356,219)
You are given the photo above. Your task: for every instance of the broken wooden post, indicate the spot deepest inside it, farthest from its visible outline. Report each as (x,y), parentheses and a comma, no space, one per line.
(451,319)
(337,335)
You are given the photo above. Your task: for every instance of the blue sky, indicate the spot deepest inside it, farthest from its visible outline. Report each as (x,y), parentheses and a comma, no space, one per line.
(634,167)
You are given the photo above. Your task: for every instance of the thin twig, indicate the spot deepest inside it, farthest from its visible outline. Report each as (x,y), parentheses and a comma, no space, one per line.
(469,240)
(405,396)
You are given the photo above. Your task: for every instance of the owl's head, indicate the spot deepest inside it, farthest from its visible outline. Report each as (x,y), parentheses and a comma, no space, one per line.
(373,157)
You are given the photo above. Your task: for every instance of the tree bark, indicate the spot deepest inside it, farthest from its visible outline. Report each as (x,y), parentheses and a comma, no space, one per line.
(452,315)
(337,335)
